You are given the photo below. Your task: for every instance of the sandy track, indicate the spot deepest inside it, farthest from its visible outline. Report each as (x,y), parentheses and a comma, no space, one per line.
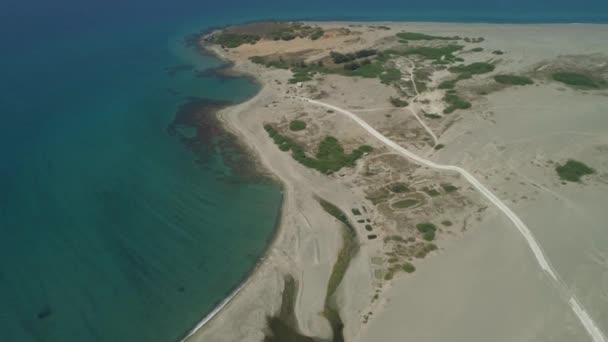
(592,329)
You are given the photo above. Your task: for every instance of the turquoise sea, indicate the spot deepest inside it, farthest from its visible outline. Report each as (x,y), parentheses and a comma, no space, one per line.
(115,224)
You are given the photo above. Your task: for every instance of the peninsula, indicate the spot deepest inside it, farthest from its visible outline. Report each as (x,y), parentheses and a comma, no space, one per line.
(435,176)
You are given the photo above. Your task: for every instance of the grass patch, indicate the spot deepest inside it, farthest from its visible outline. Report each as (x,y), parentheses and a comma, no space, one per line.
(276,63)
(455,102)
(297,125)
(347,252)
(434,53)
(233,40)
(408,267)
(477,49)
(513,79)
(421,36)
(473,68)
(449,187)
(573,171)
(399,187)
(428,230)
(432,116)
(406,203)
(579,80)
(330,156)
(397,102)
(426,227)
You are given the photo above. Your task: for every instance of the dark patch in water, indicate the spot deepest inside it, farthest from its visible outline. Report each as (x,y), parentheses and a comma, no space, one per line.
(45,313)
(207,136)
(177,69)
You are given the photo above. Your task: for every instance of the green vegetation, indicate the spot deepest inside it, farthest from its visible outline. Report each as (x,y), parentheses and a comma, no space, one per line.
(449,187)
(340,58)
(439,147)
(513,79)
(432,116)
(330,156)
(356,211)
(275,63)
(399,187)
(316,34)
(474,40)
(477,49)
(397,102)
(498,52)
(455,102)
(408,267)
(573,171)
(420,36)
(232,40)
(349,249)
(473,68)
(431,192)
(435,53)
(426,250)
(406,203)
(295,30)
(297,125)
(579,80)
(447,223)
(428,230)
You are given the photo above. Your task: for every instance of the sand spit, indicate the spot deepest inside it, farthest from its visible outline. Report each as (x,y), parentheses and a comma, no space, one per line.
(484,282)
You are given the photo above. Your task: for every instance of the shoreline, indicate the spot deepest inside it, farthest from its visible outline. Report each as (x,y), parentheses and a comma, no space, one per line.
(227,70)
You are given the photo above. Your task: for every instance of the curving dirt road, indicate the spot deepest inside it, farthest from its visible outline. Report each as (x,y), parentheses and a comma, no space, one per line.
(592,329)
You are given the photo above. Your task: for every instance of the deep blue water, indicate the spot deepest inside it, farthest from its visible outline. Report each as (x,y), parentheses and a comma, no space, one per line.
(113,229)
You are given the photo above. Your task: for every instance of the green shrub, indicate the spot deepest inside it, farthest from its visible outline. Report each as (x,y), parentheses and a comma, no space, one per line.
(356,211)
(449,84)
(455,102)
(498,52)
(579,80)
(439,147)
(399,188)
(297,125)
(420,36)
(330,156)
(426,227)
(477,49)
(449,187)
(408,267)
(435,53)
(432,116)
(573,171)
(429,236)
(316,34)
(397,102)
(513,79)
(446,223)
(232,40)
(473,68)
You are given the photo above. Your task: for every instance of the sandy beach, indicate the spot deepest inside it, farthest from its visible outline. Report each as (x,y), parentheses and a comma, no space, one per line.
(480,280)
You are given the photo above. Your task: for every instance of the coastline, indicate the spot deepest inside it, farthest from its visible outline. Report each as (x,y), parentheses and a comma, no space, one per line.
(256,140)
(227,69)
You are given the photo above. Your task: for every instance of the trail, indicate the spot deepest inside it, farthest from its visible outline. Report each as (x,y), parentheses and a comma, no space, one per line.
(592,329)
(413,112)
